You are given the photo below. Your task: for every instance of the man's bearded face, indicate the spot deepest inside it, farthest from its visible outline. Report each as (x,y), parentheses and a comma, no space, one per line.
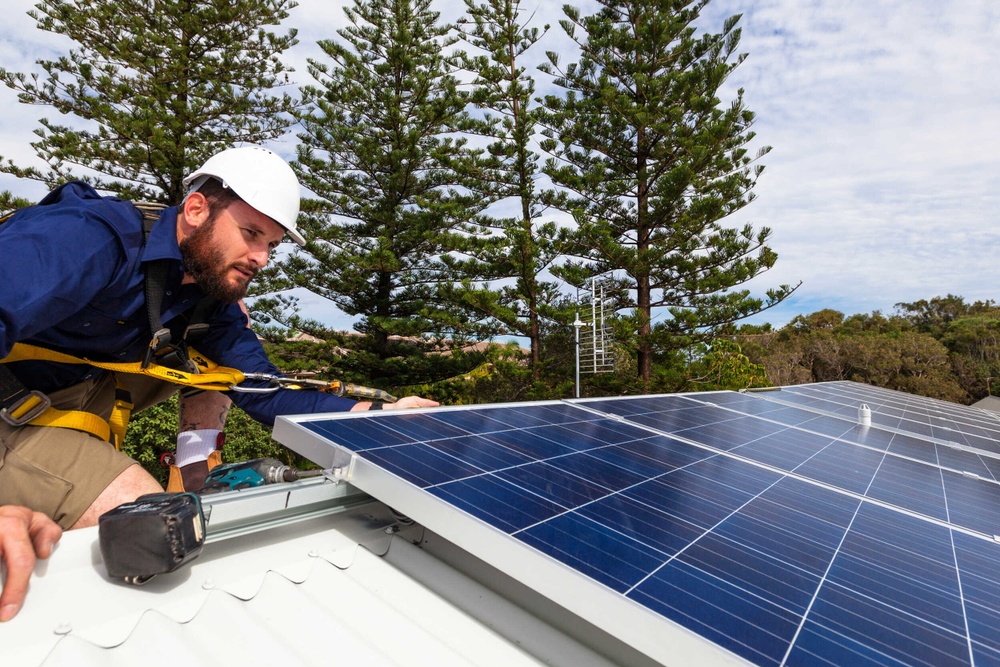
(205,261)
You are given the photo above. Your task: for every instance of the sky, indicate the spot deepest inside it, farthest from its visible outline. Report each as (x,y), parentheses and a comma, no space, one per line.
(882,116)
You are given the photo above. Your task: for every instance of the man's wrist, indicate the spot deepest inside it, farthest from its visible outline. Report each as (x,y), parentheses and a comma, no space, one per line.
(196,445)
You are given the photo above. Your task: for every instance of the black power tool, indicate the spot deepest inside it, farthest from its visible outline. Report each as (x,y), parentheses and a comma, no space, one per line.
(158,533)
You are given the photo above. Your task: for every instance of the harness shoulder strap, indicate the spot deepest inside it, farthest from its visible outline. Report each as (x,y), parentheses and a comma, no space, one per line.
(155,285)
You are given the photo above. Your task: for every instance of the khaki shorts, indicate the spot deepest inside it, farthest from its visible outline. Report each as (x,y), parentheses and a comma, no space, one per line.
(61,472)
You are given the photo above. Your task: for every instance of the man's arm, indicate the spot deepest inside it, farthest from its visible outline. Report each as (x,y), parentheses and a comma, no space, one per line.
(201,420)
(24,536)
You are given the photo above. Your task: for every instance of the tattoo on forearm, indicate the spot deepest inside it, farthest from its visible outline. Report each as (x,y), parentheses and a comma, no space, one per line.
(202,414)
(222,417)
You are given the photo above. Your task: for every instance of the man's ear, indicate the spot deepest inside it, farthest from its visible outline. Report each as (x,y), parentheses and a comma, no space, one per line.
(195,209)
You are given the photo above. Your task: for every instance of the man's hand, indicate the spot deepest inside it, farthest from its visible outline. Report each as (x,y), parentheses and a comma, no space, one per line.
(24,535)
(194,475)
(407,402)
(411,402)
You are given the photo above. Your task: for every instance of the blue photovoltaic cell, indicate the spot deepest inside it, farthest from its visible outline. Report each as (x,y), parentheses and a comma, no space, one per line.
(967,499)
(772,524)
(843,466)
(910,485)
(754,628)
(612,557)
(914,448)
(676,420)
(359,434)
(480,452)
(532,442)
(548,481)
(650,457)
(421,464)
(962,461)
(787,449)
(640,405)
(420,428)
(499,504)
(725,435)
(979,562)
(872,438)
(881,588)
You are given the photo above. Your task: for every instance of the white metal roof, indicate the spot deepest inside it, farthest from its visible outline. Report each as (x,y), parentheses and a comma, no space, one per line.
(297,574)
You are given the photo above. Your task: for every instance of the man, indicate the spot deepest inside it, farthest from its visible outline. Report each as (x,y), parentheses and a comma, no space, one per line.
(74,278)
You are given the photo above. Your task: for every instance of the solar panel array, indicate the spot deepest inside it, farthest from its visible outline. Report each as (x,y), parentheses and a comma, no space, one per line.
(772,524)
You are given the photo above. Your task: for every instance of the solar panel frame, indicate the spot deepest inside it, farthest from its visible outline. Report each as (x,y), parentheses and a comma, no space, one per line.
(722,514)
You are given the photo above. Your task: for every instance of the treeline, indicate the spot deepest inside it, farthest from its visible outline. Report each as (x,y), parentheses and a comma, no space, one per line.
(943,348)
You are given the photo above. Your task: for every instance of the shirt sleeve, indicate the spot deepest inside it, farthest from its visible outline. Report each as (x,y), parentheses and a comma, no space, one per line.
(230,343)
(48,274)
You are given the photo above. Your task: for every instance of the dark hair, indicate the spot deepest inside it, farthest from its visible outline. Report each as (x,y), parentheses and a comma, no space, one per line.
(218,195)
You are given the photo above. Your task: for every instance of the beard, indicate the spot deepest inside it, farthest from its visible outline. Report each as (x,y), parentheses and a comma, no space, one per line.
(205,263)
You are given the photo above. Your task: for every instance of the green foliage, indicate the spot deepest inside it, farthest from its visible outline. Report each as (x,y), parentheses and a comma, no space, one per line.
(9,203)
(886,352)
(654,163)
(725,366)
(391,180)
(247,439)
(935,315)
(150,434)
(155,87)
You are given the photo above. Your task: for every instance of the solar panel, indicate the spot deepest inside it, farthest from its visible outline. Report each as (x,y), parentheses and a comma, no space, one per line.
(769,526)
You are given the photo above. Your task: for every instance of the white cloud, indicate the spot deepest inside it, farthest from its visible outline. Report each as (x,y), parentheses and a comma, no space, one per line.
(882,183)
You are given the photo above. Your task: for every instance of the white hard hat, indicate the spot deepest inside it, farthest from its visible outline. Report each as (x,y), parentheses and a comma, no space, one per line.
(261,178)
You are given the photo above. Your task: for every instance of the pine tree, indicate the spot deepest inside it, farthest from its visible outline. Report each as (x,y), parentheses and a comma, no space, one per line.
(654,164)
(155,87)
(389,178)
(10,203)
(522,246)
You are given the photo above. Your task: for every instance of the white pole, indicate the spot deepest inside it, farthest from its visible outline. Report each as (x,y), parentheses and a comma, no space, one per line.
(577,324)
(593,318)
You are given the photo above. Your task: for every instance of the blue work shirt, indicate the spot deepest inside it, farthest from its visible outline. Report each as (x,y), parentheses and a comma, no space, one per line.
(72,275)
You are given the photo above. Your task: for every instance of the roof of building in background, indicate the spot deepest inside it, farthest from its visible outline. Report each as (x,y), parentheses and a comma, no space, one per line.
(439,346)
(318,572)
(991,403)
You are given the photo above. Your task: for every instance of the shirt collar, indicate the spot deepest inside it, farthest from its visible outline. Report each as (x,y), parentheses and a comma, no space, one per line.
(162,241)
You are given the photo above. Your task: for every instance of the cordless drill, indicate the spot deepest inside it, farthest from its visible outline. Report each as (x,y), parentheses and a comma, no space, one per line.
(159,532)
(248,474)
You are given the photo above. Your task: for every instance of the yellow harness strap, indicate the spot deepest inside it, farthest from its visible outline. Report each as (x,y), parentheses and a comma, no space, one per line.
(76,420)
(212,378)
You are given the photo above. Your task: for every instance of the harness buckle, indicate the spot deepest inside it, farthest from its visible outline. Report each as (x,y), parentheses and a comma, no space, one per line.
(161,339)
(20,412)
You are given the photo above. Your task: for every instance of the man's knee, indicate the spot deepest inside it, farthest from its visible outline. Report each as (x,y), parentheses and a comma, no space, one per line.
(126,487)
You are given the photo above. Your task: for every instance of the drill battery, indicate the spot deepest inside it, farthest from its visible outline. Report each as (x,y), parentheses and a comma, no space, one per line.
(155,534)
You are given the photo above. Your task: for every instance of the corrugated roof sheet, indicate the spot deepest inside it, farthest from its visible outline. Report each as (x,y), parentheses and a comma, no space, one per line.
(317,591)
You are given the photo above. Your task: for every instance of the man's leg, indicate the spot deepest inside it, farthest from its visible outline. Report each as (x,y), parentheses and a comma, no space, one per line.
(71,476)
(204,410)
(131,483)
